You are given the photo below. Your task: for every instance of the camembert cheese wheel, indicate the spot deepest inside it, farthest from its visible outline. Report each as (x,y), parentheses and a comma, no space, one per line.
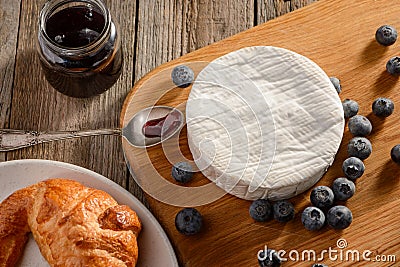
(264,122)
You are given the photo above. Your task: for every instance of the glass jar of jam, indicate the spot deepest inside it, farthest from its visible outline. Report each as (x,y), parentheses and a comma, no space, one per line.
(79,47)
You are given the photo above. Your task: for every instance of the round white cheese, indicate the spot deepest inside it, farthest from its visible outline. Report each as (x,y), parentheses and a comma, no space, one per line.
(264,122)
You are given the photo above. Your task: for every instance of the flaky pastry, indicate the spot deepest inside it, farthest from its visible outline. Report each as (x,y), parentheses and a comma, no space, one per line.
(73,225)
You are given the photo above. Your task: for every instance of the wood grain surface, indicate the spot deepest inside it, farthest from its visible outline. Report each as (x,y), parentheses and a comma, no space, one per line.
(338,36)
(8,47)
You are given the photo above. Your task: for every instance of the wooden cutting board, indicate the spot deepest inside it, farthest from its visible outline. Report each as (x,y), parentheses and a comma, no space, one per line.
(339,37)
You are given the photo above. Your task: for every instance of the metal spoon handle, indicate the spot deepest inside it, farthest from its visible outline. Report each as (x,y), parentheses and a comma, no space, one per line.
(16,139)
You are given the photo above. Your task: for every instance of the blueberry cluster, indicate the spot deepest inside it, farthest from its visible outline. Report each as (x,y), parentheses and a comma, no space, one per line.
(188,221)
(383,107)
(262,210)
(324,210)
(386,35)
(324,198)
(359,148)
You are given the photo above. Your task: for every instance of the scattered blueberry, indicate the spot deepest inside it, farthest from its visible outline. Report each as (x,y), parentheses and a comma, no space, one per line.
(283,211)
(350,108)
(343,188)
(353,168)
(188,221)
(339,217)
(319,265)
(260,210)
(182,76)
(359,125)
(271,259)
(336,83)
(395,154)
(382,107)
(322,197)
(359,147)
(182,172)
(393,66)
(386,35)
(313,218)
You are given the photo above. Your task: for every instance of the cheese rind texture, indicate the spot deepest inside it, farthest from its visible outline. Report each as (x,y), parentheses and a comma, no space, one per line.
(264,122)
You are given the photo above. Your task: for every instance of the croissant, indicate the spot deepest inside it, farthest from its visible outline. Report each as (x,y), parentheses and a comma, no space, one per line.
(73,225)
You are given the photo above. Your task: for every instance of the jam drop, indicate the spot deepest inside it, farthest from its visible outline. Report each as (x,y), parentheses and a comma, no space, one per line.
(162,127)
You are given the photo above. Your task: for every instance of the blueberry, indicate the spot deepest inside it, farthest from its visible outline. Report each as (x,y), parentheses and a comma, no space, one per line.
(283,211)
(182,172)
(386,35)
(382,107)
(393,66)
(339,217)
(343,188)
(313,218)
(395,154)
(260,210)
(359,126)
(182,76)
(269,258)
(319,265)
(350,108)
(353,168)
(359,147)
(336,83)
(322,197)
(188,221)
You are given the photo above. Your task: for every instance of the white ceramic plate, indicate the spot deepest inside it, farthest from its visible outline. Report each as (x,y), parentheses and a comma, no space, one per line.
(154,246)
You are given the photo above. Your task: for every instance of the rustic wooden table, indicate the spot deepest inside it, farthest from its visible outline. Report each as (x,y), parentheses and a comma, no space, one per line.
(157,31)
(153,32)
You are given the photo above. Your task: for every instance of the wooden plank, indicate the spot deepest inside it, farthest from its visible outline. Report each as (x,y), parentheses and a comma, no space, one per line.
(344,49)
(168,29)
(37,106)
(270,9)
(9,16)
(211,21)
(296,4)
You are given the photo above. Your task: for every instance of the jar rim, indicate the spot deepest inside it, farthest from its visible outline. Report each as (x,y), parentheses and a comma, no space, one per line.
(52,5)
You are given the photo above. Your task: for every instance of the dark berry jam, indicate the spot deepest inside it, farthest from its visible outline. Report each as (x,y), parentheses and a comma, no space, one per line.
(79,51)
(75,26)
(162,127)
